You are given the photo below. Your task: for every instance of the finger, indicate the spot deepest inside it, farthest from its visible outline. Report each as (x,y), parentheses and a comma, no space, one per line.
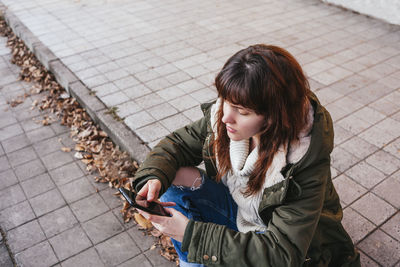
(144,190)
(168,204)
(152,191)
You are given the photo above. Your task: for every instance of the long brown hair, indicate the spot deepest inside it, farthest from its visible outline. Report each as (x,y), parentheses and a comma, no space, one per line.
(268,80)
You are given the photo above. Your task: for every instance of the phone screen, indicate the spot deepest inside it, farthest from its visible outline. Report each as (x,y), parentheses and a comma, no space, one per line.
(140,202)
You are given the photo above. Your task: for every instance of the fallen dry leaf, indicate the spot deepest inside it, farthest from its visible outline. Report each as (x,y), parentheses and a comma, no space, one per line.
(66,149)
(145,224)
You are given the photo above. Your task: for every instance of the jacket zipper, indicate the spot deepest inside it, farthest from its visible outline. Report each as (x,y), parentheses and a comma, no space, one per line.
(209,154)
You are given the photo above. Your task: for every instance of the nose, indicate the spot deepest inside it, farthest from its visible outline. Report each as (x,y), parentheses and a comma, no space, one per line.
(228,115)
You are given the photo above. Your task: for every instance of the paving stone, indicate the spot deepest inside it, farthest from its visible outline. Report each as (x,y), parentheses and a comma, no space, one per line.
(37,185)
(162,111)
(11,196)
(21,156)
(57,221)
(127,108)
(117,249)
(87,258)
(343,160)
(47,146)
(381,248)
(356,225)
(4,165)
(76,189)
(184,102)
(109,198)
(39,255)
(388,190)
(152,132)
(393,148)
(102,227)
(25,236)
(154,257)
(392,227)
(5,259)
(89,207)
(10,131)
(15,143)
(347,189)
(66,173)
(16,215)
(149,100)
(137,91)
(40,134)
(373,208)
(384,161)
(140,237)
(139,119)
(6,119)
(365,174)
(7,178)
(114,99)
(175,122)
(56,159)
(138,261)
(376,136)
(367,261)
(70,242)
(47,202)
(29,169)
(359,147)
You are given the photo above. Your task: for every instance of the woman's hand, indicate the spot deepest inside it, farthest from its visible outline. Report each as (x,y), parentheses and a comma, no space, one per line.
(173,226)
(151,190)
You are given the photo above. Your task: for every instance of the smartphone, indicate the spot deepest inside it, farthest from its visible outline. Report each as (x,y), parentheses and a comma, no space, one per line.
(140,202)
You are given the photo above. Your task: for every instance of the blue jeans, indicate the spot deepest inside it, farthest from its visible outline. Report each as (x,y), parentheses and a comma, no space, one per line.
(211,202)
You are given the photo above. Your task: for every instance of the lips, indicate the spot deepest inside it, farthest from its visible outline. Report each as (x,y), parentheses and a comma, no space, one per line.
(229,129)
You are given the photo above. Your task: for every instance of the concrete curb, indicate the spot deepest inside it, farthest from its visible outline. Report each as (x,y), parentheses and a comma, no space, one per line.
(117,131)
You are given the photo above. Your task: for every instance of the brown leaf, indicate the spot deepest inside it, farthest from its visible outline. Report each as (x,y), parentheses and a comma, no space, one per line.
(66,149)
(142,221)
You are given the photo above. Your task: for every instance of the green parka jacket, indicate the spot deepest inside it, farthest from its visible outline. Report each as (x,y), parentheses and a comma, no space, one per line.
(302,213)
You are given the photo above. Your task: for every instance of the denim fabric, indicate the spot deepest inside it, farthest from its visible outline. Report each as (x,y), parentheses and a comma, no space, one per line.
(211,202)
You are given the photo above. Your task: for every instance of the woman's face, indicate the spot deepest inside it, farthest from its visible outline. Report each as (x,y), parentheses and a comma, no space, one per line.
(241,123)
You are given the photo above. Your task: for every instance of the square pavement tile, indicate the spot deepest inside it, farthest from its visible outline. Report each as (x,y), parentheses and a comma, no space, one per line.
(16,215)
(87,258)
(343,160)
(40,134)
(141,238)
(384,162)
(373,208)
(152,132)
(4,164)
(57,221)
(392,227)
(111,200)
(367,261)
(117,249)
(154,257)
(21,156)
(138,261)
(356,225)
(394,148)
(66,173)
(25,236)
(47,146)
(389,191)
(29,169)
(347,189)
(76,189)
(138,120)
(15,143)
(365,174)
(39,255)
(5,259)
(89,207)
(70,242)
(7,178)
(381,247)
(341,135)
(56,159)
(10,196)
(47,202)
(37,185)
(359,147)
(10,131)
(102,227)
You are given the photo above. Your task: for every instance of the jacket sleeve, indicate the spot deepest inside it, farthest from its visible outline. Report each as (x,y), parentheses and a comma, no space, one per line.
(183,147)
(286,241)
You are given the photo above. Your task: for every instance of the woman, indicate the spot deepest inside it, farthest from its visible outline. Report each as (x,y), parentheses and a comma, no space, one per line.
(266,197)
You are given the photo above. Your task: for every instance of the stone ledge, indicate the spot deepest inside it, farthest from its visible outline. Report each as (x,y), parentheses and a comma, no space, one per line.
(43,54)
(63,75)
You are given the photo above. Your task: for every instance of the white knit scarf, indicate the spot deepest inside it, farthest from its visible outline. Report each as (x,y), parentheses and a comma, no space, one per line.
(243,163)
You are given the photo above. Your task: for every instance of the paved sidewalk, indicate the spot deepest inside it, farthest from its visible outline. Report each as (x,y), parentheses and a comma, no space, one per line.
(155,61)
(50,209)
